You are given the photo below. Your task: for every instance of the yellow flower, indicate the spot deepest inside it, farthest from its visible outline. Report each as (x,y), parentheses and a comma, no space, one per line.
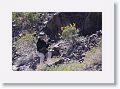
(67,27)
(70,25)
(74,24)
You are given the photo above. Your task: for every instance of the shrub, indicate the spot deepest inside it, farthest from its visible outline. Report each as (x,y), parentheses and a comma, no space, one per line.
(69,31)
(24,39)
(21,17)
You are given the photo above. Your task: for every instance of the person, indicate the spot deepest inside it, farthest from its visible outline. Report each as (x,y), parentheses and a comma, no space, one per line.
(42,47)
(46,49)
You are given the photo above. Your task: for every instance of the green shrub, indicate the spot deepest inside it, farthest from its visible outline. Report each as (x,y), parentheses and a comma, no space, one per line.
(32,17)
(69,31)
(29,17)
(24,39)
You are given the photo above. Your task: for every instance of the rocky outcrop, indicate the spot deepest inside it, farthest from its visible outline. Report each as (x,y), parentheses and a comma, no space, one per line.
(24,49)
(51,23)
(87,22)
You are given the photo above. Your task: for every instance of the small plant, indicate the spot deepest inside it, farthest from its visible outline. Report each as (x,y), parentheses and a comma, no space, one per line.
(32,17)
(24,39)
(69,31)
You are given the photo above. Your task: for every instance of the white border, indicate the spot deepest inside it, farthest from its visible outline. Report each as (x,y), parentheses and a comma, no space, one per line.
(104,76)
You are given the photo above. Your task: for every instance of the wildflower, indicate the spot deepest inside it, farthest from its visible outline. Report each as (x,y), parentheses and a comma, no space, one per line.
(74,24)
(70,25)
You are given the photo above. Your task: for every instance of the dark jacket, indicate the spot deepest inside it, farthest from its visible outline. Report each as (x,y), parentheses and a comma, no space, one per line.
(42,46)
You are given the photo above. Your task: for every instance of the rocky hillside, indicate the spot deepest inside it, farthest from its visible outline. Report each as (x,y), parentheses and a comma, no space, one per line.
(81,58)
(78,37)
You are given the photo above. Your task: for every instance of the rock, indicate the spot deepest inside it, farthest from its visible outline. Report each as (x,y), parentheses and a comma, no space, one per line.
(56,52)
(14,67)
(53,61)
(41,67)
(87,22)
(27,56)
(77,50)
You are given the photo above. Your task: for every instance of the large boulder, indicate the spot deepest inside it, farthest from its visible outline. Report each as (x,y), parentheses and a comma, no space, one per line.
(87,22)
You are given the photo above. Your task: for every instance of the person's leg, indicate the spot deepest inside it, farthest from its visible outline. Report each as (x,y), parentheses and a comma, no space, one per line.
(48,55)
(42,57)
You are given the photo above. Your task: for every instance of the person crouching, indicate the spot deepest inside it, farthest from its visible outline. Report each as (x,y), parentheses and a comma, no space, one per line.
(42,47)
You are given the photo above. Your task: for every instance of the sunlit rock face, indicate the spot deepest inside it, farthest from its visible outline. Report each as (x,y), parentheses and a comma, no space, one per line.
(87,22)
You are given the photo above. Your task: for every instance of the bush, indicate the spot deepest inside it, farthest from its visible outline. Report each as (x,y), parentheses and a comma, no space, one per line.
(69,31)
(24,39)
(21,17)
